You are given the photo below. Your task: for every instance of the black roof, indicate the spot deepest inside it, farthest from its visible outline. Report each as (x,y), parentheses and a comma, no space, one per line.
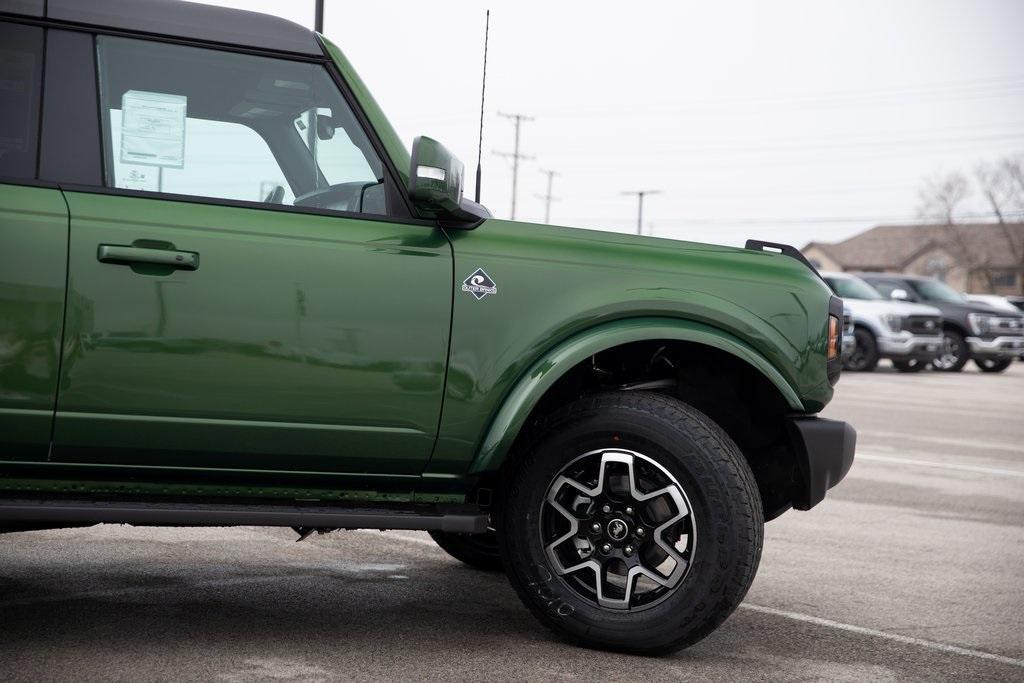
(177,19)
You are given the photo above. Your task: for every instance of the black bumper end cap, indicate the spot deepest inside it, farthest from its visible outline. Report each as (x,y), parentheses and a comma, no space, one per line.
(824,449)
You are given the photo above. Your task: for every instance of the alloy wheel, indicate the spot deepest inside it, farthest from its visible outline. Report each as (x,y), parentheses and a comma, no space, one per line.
(950,354)
(618,528)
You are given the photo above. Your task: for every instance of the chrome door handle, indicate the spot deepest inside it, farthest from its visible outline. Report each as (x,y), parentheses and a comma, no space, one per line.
(118,254)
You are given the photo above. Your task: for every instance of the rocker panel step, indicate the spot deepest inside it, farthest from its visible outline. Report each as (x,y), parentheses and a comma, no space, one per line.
(209,514)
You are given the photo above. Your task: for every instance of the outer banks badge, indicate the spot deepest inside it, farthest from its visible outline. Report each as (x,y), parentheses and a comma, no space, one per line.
(479,284)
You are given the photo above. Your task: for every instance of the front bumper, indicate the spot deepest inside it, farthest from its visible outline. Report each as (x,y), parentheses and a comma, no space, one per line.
(912,346)
(824,454)
(998,347)
(849,344)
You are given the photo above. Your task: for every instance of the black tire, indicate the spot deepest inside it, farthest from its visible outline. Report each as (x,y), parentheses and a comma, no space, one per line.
(479,551)
(725,533)
(864,357)
(992,364)
(910,365)
(955,353)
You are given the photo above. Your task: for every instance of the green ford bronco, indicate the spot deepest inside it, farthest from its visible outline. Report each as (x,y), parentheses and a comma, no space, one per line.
(229,295)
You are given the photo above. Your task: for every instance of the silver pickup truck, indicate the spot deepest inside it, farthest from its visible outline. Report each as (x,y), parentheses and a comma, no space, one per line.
(908,334)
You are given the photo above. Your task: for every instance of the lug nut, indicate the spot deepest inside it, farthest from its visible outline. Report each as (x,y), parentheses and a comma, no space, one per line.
(596,528)
(629,511)
(606,548)
(628,550)
(640,531)
(606,509)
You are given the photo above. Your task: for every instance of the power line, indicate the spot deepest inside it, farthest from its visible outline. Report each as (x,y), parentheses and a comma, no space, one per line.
(744,105)
(640,194)
(515,156)
(822,219)
(548,198)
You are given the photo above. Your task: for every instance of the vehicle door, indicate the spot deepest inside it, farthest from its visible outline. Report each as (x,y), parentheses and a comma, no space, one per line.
(248,290)
(33,256)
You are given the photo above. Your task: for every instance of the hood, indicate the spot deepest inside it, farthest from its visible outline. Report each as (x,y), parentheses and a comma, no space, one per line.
(884,306)
(966,307)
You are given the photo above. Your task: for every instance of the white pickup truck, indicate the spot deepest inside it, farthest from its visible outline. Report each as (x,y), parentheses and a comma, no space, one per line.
(908,334)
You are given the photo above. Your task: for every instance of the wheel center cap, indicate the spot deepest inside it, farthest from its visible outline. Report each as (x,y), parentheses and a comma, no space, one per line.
(617,529)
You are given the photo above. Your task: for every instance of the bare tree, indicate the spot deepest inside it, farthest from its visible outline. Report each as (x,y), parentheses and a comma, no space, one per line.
(1002,186)
(939,201)
(1013,168)
(942,196)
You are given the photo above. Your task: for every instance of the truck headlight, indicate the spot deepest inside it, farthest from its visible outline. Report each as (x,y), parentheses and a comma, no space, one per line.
(979,322)
(834,329)
(893,322)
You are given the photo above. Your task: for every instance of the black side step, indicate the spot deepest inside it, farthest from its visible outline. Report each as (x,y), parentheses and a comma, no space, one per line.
(463,520)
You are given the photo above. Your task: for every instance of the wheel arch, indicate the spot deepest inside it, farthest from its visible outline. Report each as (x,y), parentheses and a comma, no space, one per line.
(956,327)
(544,374)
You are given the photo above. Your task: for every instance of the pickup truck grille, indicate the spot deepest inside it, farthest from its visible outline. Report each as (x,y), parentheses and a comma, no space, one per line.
(923,324)
(1007,326)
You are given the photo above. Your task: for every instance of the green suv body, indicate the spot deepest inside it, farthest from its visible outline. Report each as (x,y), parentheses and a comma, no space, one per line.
(230,295)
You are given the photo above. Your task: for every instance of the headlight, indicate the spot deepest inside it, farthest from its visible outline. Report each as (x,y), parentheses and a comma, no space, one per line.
(834,329)
(893,322)
(979,322)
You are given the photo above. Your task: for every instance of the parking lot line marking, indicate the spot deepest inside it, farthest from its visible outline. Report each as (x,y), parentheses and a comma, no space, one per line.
(908,640)
(968,443)
(836,407)
(872,457)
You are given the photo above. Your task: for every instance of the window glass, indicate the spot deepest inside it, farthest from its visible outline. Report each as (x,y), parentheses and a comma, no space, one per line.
(885,287)
(933,290)
(193,121)
(21,59)
(852,288)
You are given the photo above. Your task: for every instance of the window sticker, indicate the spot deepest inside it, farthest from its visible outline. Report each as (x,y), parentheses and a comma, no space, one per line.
(153,129)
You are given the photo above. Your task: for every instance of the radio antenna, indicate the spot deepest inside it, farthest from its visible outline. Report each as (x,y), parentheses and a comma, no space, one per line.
(483,92)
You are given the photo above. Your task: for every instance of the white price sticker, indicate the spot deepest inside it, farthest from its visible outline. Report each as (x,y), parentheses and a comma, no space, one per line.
(153,129)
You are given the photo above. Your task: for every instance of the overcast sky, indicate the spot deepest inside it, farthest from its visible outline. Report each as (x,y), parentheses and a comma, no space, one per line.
(787,121)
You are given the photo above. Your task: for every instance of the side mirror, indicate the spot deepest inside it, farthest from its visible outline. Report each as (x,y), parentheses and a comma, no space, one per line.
(324,127)
(899,295)
(435,184)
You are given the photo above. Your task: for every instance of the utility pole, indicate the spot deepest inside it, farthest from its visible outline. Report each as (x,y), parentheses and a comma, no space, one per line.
(548,198)
(640,207)
(318,22)
(515,156)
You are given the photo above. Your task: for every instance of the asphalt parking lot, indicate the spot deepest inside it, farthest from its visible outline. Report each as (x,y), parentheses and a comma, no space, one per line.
(912,569)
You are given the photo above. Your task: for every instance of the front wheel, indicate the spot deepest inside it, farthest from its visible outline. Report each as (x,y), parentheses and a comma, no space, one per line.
(864,357)
(992,364)
(633,524)
(954,353)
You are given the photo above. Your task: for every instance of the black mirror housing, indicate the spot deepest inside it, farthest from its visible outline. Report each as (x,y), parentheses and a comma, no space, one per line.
(436,186)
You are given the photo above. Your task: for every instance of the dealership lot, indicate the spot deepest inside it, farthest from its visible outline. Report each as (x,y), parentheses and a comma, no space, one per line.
(912,568)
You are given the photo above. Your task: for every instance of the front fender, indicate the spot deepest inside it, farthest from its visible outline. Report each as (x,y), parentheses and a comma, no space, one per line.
(556,362)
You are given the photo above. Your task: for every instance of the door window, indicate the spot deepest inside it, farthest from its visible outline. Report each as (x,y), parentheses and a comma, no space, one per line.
(192,121)
(886,287)
(21,59)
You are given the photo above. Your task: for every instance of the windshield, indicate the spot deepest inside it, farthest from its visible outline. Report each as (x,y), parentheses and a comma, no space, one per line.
(852,288)
(933,290)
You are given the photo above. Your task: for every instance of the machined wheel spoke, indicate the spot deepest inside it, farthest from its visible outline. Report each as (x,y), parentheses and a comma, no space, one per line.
(609,537)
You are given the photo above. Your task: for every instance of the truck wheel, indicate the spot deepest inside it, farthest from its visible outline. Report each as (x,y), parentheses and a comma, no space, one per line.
(632,523)
(479,551)
(954,353)
(992,364)
(865,352)
(910,365)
